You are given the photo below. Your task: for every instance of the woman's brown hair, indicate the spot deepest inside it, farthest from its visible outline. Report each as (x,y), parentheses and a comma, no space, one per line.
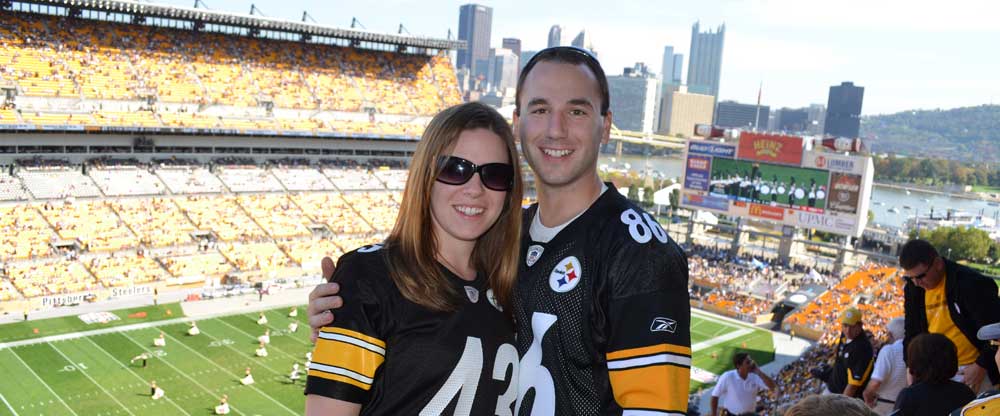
(412,245)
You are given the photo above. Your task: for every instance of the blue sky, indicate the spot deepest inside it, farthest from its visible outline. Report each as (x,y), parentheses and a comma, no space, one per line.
(914,54)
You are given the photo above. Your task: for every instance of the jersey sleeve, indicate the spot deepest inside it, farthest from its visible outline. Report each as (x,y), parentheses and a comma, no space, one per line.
(349,353)
(648,324)
(859,366)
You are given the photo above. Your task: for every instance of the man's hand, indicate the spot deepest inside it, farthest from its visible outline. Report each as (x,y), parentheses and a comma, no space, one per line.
(973,376)
(322,299)
(871,393)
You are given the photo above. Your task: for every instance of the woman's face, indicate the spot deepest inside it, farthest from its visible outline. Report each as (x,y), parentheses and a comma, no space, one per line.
(463,213)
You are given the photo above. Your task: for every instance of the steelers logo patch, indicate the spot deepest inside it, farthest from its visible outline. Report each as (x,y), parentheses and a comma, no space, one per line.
(566,275)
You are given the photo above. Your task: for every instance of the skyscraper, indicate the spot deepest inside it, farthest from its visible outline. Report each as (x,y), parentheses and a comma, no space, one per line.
(668,73)
(555,36)
(633,99)
(705,65)
(474,27)
(503,73)
(514,44)
(843,110)
(584,41)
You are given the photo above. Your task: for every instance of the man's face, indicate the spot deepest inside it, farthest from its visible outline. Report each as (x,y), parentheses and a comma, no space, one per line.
(926,276)
(851,331)
(559,123)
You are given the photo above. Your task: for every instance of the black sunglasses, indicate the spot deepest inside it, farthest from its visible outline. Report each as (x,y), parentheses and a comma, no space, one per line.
(454,170)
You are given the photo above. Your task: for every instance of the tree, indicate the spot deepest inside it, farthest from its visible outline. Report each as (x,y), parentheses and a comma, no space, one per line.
(633,193)
(647,197)
(960,243)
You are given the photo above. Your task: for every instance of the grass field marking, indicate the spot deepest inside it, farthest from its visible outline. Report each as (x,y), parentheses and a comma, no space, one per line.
(8,404)
(234,375)
(129,368)
(295,358)
(720,339)
(285,330)
(261,362)
(84,372)
(209,391)
(49,388)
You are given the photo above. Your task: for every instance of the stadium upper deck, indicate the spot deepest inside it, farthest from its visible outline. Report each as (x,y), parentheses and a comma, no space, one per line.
(61,70)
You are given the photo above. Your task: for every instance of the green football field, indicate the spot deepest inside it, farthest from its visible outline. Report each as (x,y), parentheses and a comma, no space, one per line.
(92,375)
(712,335)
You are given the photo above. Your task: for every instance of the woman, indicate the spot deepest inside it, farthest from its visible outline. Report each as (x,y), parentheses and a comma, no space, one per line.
(932,360)
(423,323)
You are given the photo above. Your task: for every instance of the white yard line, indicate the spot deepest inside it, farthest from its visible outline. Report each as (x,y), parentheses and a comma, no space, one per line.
(720,339)
(252,337)
(134,373)
(290,335)
(209,391)
(267,367)
(84,372)
(144,325)
(8,405)
(43,382)
(234,375)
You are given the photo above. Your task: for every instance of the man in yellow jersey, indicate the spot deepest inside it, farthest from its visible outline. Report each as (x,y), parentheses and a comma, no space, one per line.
(947,298)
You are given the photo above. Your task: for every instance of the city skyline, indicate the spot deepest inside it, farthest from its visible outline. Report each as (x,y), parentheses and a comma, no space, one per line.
(797,49)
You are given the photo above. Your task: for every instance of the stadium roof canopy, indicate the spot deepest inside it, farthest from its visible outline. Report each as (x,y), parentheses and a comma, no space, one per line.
(254,24)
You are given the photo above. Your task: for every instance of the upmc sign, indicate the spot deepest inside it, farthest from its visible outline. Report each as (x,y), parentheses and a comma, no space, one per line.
(772,148)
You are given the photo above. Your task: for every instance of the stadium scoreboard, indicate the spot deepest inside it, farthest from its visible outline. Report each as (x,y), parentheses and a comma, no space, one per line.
(774,178)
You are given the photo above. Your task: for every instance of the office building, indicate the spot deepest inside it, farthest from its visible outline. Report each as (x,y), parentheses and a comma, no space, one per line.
(474,27)
(633,99)
(705,64)
(843,110)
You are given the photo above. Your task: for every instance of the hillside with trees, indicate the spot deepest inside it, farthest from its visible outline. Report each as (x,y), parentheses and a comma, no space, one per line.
(970,134)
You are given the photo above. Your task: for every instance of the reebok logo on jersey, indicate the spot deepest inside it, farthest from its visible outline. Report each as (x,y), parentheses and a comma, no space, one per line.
(566,275)
(661,324)
(534,252)
(472,293)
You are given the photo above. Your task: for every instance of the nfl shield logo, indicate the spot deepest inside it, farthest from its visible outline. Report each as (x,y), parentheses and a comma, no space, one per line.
(472,293)
(534,252)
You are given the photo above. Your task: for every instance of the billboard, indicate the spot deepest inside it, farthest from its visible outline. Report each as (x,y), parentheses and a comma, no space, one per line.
(771,177)
(772,148)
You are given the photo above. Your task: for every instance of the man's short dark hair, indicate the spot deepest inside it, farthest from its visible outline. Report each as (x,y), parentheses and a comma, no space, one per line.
(916,252)
(566,55)
(738,358)
(932,358)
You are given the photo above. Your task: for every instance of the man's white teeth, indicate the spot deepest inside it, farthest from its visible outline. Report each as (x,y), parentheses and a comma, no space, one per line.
(470,211)
(556,153)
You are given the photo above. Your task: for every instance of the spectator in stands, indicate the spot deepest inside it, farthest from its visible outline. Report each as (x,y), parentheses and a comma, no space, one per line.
(829,405)
(854,357)
(932,360)
(738,388)
(889,376)
(944,297)
(987,404)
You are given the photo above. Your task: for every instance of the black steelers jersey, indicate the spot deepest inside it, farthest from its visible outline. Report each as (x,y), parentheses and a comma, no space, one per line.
(398,358)
(603,317)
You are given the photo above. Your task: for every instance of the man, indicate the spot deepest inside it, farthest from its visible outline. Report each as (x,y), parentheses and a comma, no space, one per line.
(738,388)
(944,297)
(852,365)
(889,376)
(988,403)
(601,300)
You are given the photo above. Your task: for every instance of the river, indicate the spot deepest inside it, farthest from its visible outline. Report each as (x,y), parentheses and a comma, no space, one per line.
(883,199)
